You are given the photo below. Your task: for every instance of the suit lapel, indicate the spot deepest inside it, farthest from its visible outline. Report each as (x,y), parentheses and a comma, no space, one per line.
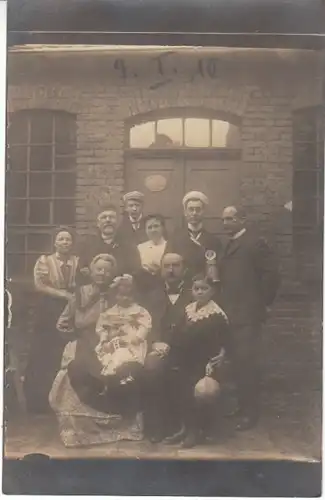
(233,245)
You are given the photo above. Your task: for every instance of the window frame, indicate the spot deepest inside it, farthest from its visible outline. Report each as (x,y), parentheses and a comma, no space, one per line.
(182,113)
(27,229)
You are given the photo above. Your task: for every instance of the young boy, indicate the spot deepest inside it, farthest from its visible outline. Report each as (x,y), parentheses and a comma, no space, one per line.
(197,350)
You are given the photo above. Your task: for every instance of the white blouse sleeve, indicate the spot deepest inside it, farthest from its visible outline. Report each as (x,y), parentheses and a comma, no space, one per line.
(41,272)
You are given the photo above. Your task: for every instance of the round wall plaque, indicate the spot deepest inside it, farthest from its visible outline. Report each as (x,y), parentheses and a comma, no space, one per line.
(155,182)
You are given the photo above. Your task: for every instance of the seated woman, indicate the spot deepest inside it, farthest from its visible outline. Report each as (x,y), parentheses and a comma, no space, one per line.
(94,407)
(194,352)
(152,251)
(54,279)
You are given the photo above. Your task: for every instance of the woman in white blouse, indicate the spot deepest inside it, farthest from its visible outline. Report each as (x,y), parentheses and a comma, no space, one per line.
(152,251)
(54,279)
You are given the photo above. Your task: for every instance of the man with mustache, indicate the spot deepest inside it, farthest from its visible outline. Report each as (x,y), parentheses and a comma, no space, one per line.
(108,241)
(166,305)
(250,279)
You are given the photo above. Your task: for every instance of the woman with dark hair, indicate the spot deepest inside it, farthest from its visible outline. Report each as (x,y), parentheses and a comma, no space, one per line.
(152,251)
(54,280)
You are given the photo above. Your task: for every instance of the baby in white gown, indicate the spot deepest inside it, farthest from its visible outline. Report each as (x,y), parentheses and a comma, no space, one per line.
(122,332)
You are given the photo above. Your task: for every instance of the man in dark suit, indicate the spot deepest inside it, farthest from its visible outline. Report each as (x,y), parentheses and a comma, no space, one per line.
(249,281)
(108,241)
(199,248)
(167,306)
(132,227)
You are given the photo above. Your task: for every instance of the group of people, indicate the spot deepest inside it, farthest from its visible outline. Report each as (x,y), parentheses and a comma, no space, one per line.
(135,324)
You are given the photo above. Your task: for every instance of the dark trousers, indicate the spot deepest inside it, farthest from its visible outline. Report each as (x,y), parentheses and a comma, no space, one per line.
(161,402)
(169,402)
(246,340)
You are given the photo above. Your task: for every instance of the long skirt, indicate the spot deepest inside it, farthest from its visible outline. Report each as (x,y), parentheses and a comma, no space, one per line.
(83,425)
(45,354)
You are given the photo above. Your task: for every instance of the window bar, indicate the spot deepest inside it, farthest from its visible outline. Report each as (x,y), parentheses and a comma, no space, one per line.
(52,174)
(183,132)
(28,170)
(155,133)
(210,133)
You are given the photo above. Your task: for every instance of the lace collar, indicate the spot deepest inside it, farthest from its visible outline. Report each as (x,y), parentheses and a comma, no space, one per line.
(210,308)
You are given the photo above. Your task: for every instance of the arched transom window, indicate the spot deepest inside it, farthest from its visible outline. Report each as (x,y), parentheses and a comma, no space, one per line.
(185,132)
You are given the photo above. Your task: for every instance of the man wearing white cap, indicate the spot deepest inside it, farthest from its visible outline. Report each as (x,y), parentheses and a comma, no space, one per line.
(199,248)
(132,224)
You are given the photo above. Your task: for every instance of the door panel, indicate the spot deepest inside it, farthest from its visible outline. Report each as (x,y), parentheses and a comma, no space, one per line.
(219,180)
(161,181)
(164,181)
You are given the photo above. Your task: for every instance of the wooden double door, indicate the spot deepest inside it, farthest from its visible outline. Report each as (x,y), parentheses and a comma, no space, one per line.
(165,179)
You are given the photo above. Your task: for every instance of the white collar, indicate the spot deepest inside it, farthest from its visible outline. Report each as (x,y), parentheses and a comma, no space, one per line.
(135,221)
(195,229)
(210,308)
(160,243)
(239,234)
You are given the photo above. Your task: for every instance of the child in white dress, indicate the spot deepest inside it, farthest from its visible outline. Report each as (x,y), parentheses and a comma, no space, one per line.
(122,332)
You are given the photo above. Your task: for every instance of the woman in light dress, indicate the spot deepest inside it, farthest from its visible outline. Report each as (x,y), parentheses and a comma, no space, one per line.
(96,400)
(55,282)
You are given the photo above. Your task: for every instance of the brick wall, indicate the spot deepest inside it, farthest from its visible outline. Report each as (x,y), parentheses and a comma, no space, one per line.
(261,88)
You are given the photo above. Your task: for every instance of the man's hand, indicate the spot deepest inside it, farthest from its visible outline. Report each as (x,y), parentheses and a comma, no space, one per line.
(161,348)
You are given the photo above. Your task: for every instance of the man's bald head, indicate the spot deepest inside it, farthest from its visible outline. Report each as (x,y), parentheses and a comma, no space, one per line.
(234,219)
(172,267)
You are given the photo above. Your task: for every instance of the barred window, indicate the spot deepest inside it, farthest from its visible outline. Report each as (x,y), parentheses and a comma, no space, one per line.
(41,183)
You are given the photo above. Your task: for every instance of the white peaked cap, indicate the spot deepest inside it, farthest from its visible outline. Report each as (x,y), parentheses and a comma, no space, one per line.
(195,195)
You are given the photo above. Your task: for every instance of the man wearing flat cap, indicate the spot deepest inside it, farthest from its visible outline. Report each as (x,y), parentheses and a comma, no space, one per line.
(132,224)
(199,248)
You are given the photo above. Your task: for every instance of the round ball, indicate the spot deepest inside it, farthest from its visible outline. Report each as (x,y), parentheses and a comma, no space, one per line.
(207,388)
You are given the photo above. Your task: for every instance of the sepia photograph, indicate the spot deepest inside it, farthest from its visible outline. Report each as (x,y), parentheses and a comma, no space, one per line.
(164,252)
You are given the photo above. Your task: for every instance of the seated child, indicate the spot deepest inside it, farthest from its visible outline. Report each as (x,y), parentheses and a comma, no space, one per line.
(122,332)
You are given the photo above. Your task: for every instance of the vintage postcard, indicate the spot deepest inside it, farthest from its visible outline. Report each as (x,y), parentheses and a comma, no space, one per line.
(164,252)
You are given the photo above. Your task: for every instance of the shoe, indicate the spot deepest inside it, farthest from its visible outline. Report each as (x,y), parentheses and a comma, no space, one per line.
(190,440)
(155,439)
(175,438)
(246,423)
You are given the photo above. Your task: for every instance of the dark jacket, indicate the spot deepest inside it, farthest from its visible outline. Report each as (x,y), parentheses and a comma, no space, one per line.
(167,318)
(126,231)
(125,253)
(194,253)
(200,339)
(250,278)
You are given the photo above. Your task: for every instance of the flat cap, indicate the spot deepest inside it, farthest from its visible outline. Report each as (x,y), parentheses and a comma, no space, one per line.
(195,195)
(133,195)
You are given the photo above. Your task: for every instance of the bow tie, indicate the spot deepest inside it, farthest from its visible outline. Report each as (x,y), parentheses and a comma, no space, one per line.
(174,289)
